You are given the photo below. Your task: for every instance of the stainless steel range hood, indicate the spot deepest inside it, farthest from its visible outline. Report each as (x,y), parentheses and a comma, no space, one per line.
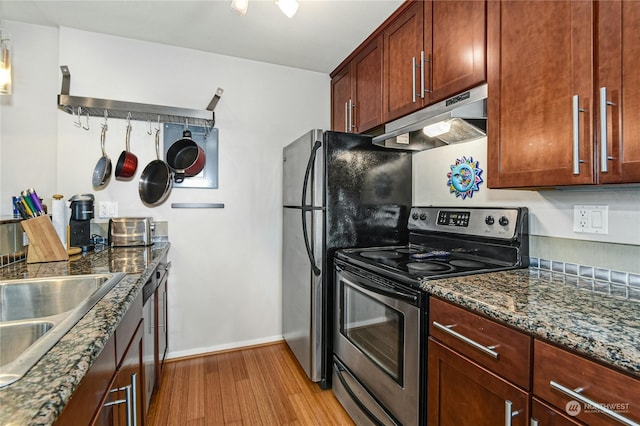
(465,116)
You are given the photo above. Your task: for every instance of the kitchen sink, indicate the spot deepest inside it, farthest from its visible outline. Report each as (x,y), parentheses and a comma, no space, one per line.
(36,313)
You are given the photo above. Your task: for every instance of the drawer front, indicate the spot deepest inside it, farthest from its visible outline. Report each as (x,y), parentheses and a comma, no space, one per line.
(557,372)
(503,350)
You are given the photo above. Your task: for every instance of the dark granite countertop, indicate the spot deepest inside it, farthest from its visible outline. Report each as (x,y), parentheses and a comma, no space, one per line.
(39,396)
(599,320)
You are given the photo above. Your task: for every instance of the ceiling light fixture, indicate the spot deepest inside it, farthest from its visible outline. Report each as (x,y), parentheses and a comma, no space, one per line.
(288,7)
(240,6)
(5,62)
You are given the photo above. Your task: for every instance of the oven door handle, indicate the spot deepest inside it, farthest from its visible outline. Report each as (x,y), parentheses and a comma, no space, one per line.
(373,286)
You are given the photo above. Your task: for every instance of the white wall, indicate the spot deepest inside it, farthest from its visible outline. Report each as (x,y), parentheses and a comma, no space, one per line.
(225,282)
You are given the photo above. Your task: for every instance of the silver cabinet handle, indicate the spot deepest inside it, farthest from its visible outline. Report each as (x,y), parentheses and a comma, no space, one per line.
(134,400)
(486,349)
(576,135)
(346,116)
(413,72)
(533,422)
(422,74)
(604,155)
(575,394)
(129,399)
(430,61)
(352,105)
(509,413)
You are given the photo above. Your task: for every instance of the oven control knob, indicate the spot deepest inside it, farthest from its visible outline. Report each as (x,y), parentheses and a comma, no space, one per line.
(423,216)
(503,221)
(489,220)
(415,216)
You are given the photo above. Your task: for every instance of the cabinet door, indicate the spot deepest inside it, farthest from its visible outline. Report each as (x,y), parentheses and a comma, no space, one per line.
(458,46)
(162,330)
(539,60)
(461,392)
(131,373)
(545,415)
(618,64)
(340,97)
(366,71)
(403,44)
(92,390)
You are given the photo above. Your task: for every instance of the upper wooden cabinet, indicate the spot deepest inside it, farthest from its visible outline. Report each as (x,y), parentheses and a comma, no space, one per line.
(618,76)
(356,91)
(545,68)
(432,50)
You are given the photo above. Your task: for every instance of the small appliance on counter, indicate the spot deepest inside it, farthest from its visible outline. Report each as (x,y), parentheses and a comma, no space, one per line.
(80,221)
(130,231)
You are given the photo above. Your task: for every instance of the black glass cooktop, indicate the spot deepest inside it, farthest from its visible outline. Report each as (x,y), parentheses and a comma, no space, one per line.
(413,263)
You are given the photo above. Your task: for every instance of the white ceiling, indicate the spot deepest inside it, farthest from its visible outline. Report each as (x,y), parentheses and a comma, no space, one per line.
(317,38)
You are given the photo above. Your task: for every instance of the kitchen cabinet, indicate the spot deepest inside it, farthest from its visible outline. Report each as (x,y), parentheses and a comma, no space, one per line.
(462,392)
(432,50)
(544,91)
(115,382)
(543,414)
(356,91)
(478,370)
(618,50)
(566,380)
(92,390)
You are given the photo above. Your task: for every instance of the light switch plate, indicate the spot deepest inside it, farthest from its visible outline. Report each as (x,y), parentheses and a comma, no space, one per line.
(107,209)
(591,219)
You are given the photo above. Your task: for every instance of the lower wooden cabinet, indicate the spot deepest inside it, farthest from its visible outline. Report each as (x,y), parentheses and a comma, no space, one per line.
(545,415)
(461,392)
(575,384)
(112,392)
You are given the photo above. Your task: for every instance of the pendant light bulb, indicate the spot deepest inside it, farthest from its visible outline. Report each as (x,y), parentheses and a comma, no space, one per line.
(288,7)
(5,63)
(240,6)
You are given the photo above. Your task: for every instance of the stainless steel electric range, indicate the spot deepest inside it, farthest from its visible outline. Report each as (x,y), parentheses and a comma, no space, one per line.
(379,369)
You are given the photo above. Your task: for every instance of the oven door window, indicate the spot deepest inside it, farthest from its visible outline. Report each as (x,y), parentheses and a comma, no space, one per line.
(374,328)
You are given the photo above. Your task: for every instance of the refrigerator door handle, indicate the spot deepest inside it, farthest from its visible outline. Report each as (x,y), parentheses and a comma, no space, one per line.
(306,208)
(312,259)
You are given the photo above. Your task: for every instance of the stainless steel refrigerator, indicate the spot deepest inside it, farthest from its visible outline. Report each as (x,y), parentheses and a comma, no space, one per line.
(339,191)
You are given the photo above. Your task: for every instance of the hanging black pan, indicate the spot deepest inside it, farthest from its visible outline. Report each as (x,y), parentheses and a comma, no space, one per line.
(156,179)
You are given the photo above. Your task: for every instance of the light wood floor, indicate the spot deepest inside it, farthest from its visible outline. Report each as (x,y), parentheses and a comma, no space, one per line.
(257,386)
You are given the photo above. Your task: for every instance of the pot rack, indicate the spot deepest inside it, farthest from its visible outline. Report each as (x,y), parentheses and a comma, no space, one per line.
(134,111)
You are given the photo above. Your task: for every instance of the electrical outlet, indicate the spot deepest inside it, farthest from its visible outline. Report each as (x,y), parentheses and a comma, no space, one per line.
(107,209)
(591,219)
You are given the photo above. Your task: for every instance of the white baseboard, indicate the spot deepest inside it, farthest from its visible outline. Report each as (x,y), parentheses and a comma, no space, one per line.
(224,347)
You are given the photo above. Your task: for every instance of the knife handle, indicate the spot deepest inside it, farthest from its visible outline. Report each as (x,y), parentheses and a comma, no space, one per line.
(36,201)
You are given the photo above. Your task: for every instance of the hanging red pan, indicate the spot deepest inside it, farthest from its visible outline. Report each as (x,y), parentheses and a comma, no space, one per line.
(127,162)
(155,181)
(185,157)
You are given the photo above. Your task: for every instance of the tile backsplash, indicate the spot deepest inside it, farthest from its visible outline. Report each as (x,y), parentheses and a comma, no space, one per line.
(602,280)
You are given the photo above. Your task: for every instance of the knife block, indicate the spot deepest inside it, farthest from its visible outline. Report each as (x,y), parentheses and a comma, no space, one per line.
(44,243)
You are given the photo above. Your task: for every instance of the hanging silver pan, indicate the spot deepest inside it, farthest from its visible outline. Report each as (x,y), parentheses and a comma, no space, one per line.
(102,170)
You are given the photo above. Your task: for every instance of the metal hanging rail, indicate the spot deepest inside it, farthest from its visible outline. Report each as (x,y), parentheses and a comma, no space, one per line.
(96,107)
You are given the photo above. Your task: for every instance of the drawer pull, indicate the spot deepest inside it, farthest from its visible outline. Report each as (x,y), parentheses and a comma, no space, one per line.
(486,349)
(575,394)
(509,413)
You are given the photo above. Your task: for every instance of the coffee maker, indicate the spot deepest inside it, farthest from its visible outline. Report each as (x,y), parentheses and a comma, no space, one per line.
(80,221)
